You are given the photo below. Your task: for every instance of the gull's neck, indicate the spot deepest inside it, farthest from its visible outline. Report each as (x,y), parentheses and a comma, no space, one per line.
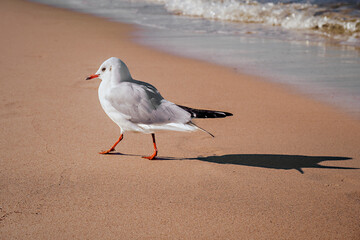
(121,74)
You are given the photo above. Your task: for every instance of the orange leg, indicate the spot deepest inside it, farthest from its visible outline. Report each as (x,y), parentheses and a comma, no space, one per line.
(155,149)
(113,147)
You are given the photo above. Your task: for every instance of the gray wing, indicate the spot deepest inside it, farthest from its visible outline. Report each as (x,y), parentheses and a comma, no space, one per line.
(142,103)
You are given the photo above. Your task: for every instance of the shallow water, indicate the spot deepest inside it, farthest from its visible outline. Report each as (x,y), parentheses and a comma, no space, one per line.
(339,20)
(327,68)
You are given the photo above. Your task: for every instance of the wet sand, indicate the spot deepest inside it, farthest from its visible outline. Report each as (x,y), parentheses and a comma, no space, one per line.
(280,168)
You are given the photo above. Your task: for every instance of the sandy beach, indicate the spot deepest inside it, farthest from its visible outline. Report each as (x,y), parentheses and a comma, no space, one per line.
(283,167)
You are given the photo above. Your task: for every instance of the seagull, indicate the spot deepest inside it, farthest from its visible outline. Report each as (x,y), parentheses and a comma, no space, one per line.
(139,107)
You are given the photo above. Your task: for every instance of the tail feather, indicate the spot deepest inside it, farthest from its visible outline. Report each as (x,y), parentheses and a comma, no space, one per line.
(193,124)
(201,113)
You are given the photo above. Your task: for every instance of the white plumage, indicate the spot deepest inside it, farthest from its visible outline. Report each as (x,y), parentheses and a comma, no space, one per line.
(138,106)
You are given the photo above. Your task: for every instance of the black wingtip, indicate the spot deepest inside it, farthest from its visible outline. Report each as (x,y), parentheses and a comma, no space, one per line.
(224,114)
(201,113)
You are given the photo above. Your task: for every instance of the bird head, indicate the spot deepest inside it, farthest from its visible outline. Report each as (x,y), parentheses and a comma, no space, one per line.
(112,70)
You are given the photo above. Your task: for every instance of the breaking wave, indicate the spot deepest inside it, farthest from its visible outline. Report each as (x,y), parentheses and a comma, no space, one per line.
(330,18)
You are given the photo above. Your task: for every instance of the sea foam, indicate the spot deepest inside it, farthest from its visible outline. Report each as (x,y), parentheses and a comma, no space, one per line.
(330,20)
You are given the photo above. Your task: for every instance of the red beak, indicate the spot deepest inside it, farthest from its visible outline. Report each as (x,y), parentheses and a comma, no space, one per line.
(92,76)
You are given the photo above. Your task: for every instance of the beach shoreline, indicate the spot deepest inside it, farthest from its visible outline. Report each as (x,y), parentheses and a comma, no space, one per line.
(314,67)
(284,166)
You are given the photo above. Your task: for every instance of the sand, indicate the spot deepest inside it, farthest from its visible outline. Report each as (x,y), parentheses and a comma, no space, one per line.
(280,168)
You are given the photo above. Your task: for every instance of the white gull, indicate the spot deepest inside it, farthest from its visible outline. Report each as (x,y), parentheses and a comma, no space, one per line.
(138,106)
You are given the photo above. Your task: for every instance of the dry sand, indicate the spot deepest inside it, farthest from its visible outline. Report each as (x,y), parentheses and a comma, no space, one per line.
(273,171)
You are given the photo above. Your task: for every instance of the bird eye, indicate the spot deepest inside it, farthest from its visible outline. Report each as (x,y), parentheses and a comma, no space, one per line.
(103,69)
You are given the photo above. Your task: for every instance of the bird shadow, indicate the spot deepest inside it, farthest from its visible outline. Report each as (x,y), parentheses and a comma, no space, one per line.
(272,161)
